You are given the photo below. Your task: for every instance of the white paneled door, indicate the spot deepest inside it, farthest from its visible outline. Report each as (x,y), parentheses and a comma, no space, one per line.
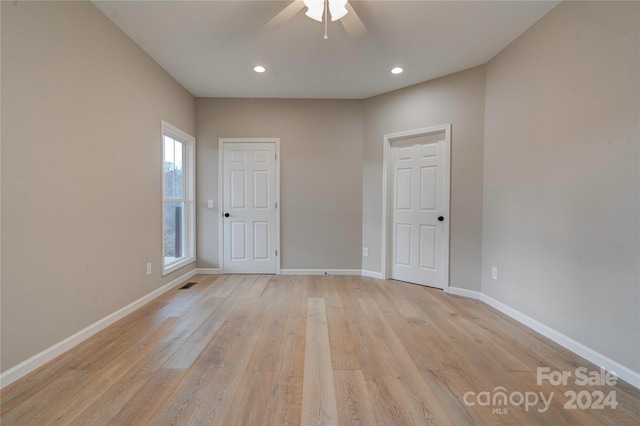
(419,219)
(249,208)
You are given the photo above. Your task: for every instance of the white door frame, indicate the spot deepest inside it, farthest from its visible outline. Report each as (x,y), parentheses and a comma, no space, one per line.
(387,199)
(221,142)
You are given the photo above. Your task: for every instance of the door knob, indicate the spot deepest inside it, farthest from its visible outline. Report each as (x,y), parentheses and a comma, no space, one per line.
(440,218)
(226,215)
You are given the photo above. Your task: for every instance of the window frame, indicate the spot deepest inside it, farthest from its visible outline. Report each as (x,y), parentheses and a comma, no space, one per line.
(188,167)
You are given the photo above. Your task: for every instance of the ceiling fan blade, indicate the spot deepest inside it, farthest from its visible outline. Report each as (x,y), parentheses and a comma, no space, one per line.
(286,14)
(352,23)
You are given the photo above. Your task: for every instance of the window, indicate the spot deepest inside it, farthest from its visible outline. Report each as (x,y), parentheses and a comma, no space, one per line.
(177,198)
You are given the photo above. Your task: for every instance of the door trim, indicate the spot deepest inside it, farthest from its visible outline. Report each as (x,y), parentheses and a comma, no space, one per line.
(386,196)
(221,142)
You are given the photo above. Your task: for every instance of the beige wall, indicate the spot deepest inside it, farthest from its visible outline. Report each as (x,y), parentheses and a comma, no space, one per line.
(561,176)
(81,171)
(457,99)
(321,175)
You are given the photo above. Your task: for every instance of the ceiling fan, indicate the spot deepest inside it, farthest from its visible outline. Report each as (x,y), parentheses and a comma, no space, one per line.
(319,10)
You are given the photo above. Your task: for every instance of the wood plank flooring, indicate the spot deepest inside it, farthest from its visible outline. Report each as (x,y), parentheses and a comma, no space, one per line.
(311,350)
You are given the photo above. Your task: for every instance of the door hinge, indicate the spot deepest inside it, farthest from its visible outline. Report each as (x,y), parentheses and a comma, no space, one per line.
(276,252)
(276,156)
(276,205)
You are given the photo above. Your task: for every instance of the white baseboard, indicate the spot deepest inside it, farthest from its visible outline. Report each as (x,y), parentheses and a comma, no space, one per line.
(465,293)
(208,271)
(624,373)
(320,272)
(38,360)
(372,274)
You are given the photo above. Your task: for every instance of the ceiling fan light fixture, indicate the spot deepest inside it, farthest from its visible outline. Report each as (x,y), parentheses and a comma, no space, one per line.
(315,9)
(338,9)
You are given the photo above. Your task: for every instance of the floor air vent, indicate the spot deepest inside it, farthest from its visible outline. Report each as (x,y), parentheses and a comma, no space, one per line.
(187,285)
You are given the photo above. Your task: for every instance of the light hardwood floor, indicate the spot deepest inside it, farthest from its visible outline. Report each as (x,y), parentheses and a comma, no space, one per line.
(280,350)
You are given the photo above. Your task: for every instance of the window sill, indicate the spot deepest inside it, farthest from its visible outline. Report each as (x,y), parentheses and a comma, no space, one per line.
(174,266)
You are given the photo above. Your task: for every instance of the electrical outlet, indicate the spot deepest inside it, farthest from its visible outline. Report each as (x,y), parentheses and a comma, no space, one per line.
(365,251)
(149,268)
(494,273)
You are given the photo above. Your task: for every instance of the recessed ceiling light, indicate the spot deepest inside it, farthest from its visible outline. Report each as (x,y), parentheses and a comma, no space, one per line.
(259,68)
(397,70)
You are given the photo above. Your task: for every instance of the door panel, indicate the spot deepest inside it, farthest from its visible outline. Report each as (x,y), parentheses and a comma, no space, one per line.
(249,194)
(261,240)
(429,150)
(238,190)
(238,157)
(428,188)
(238,240)
(403,189)
(419,194)
(261,156)
(260,189)
(403,244)
(428,247)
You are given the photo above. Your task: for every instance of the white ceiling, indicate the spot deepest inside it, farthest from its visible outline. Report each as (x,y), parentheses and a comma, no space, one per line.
(210,47)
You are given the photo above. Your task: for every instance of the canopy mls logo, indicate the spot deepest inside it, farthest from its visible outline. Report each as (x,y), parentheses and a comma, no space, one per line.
(583,377)
(499,399)
(584,399)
